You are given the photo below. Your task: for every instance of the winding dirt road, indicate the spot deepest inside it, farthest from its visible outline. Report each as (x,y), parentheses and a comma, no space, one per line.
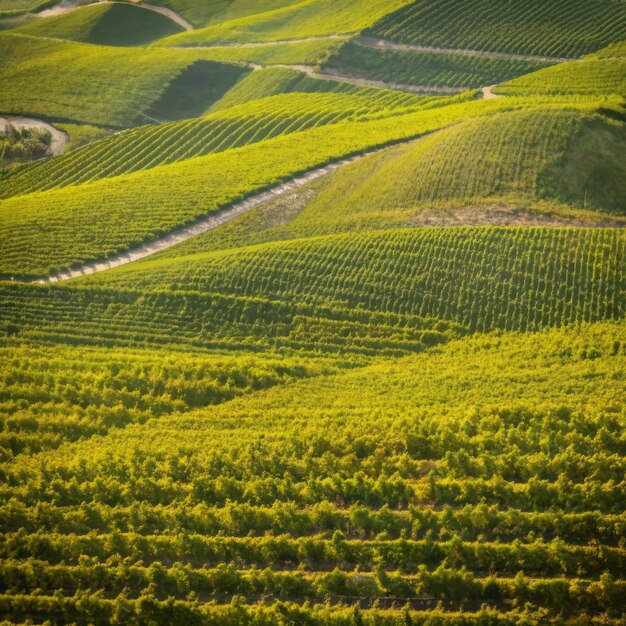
(210,222)
(181,21)
(65,6)
(384,44)
(59,138)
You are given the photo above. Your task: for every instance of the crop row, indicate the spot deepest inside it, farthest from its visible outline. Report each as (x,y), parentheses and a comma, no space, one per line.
(561,28)
(481,278)
(49,396)
(469,523)
(151,146)
(443,583)
(45,231)
(309,553)
(84,607)
(424,68)
(101,85)
(589,77)
(271,81)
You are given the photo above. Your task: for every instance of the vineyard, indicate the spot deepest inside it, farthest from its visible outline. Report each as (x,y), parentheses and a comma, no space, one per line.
(293,20)
(62,227)
(562,28)
(132,83)
(152,146)
(317,315)
(426,69)
(299,514)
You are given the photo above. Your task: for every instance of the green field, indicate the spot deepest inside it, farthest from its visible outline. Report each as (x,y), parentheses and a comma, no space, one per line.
(318,315)
(426,69)
(109,24)
(117,97)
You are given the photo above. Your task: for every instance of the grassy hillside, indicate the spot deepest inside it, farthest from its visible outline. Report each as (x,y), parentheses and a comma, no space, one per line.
(201,13)
(307,18)
(278,80)
(509,157)
(133,79)
(109,24)
(537,176)
(594,76)
(561,28)
(442,459)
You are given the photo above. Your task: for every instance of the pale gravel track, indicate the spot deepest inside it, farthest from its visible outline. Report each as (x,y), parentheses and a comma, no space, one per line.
(211,221)
(384,44)
(59,138)
(65,6)
(312,72)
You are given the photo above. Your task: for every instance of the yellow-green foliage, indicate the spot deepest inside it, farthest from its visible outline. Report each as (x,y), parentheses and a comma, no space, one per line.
(201,13)
(557,28)
(57,228)
(482,278)
(455,459)
(276,80)
(306,18)
(150,146)
(110,23)
(54,394)
(411,67)
(590,76)
(308,52)
(79,82)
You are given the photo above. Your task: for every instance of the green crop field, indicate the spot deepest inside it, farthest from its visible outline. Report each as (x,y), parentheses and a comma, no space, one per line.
(427,69)
(561,28)
(313,313)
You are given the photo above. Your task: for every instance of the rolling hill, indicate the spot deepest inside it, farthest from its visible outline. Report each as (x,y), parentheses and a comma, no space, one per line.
(320,317)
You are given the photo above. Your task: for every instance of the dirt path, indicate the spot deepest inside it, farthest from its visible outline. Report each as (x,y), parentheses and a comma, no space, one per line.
(59,138)
(65,6)
(181,21)
(313,72)
(210,222)
(383,44)
(261,44)
(488,93)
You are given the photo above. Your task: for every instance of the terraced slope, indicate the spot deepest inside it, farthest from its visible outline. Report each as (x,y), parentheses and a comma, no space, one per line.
(106,86)
(555,167)
(334,488)
(272,81)
(307,18)
(109,24)
(560,28)
(45,232)
(514,158)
